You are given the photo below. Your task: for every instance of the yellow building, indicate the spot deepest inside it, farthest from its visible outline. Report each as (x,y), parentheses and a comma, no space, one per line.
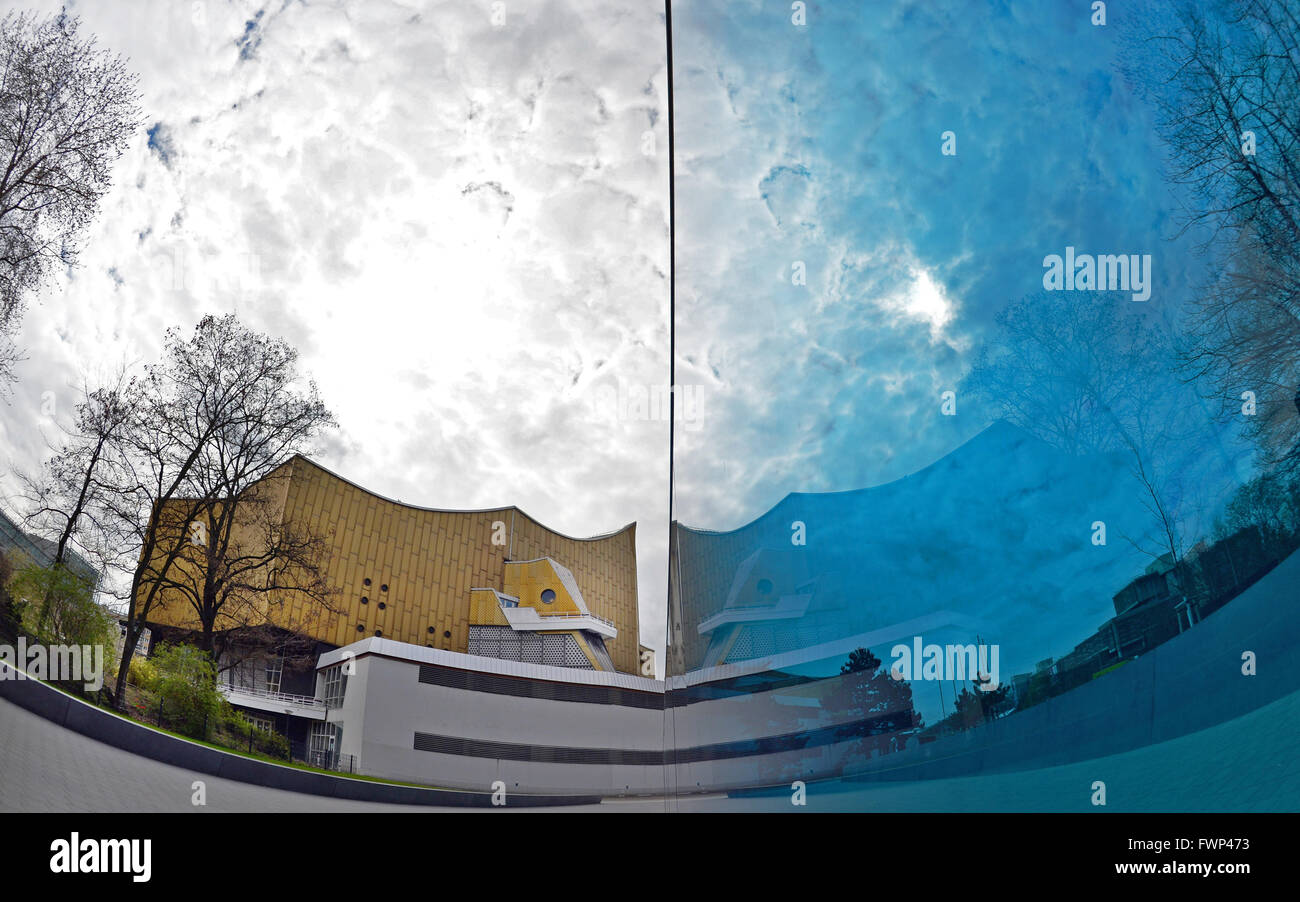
(449,579)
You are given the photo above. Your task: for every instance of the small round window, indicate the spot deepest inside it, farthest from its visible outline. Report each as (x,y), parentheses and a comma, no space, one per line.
(548,596)
(764,587)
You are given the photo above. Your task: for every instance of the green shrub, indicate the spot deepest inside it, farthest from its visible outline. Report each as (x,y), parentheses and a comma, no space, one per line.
(187,689)
(57,607)
(143,673)
(273,744)
(240,729)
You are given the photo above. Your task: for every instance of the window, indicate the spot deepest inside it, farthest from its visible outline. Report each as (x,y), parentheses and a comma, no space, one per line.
(265,724)
(336,685)
(323,744)
(548,596)
(274,673)
(243,675)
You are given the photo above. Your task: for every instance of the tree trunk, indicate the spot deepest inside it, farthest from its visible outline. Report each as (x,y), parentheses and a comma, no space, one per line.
(128,652)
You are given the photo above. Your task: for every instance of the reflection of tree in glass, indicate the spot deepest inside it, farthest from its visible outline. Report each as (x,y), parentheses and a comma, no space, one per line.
(1226,87)
(1092,376)
(874,696)
(975,707)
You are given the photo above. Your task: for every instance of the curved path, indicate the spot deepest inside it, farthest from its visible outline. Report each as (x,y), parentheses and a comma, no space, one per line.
(1250,763)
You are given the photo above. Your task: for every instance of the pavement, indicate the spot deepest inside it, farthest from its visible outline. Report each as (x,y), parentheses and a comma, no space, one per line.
(1250,763)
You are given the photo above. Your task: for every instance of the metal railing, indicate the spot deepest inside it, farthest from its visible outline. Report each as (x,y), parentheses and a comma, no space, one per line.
(306,701)
(326,759)
(566,615)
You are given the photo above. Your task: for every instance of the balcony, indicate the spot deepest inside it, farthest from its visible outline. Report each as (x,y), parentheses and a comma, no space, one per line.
(275,702)
(531,619)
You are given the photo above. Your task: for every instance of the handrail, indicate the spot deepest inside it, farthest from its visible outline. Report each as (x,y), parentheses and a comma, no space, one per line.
(563,615)
(568,615)
(307,701)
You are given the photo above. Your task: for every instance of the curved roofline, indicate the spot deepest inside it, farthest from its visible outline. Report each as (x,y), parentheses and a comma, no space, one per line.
(867,488)
(453,510)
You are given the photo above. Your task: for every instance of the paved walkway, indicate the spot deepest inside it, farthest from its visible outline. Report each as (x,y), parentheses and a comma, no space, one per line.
(1251,763)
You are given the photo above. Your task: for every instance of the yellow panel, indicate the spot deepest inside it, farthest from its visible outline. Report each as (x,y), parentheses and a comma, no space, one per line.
(430,560)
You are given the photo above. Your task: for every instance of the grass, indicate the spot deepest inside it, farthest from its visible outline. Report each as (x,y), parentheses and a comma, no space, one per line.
(256,756)
(1106,670)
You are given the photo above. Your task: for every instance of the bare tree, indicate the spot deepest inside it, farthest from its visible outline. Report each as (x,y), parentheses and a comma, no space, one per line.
(244,564)
(220,412)
(71,497)
(1225,82)
(1060,369)
(256,577)
(165,476)
(1266,502)
(1093,377)
(67,111)
(68,492)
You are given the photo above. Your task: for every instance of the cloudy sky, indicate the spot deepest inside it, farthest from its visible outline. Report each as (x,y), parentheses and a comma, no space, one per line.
(457,211)
(821,143)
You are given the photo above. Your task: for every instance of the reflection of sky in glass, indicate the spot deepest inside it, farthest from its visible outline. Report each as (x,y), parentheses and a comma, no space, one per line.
(839,275)
(822,144)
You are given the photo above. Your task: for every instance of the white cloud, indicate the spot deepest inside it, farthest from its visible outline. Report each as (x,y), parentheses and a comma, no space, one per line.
(454,222)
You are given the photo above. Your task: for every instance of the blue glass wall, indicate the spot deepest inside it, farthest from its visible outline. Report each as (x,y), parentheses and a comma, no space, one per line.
(987,316)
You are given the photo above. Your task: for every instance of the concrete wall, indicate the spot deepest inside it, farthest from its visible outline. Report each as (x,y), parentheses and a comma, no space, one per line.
(387,705)
(101,725)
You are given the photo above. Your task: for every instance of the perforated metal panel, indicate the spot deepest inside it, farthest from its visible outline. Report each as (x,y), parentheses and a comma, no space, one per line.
(553,650)
(535,648)
(573,656)
(530,648)
(509,644)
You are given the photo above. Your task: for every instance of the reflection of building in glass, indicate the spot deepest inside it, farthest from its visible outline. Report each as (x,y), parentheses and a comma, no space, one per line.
(989,545)
(989,533)
(1169,598)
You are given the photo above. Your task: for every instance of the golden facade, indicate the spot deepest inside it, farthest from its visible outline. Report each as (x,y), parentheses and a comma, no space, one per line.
(406,573)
